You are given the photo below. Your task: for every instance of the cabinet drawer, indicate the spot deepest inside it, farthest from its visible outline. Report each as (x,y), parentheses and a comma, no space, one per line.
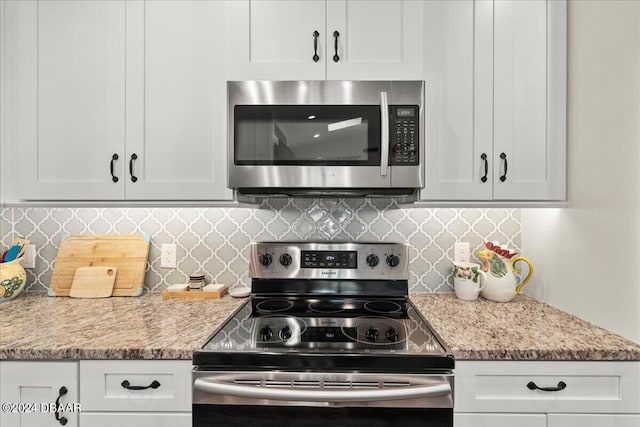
(593,420)
(149,419)
(591,387)
(499,420)
(102,389)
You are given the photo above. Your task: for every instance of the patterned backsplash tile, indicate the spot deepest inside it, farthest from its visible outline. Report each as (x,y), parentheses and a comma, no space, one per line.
(216,240)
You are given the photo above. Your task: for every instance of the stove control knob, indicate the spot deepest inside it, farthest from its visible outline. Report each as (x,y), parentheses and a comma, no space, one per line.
(265,259)
(285,259)
(392,335)
(266,333)
(285,333)
(371,334)
(393,260)
(372,260)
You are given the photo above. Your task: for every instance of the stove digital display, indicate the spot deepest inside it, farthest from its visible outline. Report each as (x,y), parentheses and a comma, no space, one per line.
(330,259)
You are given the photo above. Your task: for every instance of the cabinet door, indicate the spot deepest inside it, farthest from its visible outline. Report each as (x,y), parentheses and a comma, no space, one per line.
(500,420)
(458,74)
(71,111)
(378,40)
(274,40)
(529,100)
(176,100)
(38,383)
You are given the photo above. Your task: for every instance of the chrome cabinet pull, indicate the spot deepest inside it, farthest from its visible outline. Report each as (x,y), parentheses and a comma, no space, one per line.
(561,386)
(134,156)
(336,34)
(503,156)
(62,420)
(384,143)
(316,58)
(113,159)
(128,386)
(483,156)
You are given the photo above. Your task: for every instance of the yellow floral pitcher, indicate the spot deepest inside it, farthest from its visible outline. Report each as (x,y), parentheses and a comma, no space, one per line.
(501,282)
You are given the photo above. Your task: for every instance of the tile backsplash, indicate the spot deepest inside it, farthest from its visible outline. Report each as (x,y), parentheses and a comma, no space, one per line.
(215,240)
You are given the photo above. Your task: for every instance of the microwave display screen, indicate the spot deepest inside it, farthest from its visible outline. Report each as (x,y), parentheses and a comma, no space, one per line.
(406,112)
(307,135)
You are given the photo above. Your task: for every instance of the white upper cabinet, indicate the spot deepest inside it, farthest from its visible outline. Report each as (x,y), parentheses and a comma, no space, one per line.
(376,40)
(496,100)
(122,100)
(71,111)
(297,40)
(529,100)
(274,40)
(457,72)
(176,100)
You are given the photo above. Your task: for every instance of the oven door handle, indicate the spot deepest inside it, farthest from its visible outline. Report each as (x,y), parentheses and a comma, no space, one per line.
(255,392)
(384,137)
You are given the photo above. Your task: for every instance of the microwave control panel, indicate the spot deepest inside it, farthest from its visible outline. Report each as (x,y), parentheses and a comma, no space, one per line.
(403,135)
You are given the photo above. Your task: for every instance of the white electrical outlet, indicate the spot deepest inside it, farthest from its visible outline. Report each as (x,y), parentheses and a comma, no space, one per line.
(462,253)
(168,255)
(29,257)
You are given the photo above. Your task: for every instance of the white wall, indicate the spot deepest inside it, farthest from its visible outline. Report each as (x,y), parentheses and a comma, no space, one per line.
(587,257)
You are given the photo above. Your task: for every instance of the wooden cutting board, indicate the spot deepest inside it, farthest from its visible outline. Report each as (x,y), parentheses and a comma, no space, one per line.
(93,282)
(126,253)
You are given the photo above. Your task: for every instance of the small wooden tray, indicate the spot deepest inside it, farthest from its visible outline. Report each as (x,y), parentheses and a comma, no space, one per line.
(195,294)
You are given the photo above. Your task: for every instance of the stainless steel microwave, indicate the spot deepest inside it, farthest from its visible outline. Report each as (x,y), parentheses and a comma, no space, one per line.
(326,138)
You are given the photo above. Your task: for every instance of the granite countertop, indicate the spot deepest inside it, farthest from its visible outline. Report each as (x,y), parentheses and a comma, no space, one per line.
(35,326)
(523,329)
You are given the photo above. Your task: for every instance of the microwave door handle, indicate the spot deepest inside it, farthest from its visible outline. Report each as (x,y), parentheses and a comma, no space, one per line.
(384,143)
(254,392)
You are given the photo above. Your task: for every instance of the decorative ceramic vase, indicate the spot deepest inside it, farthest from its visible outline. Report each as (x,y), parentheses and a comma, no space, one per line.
(12,279)
(501,280)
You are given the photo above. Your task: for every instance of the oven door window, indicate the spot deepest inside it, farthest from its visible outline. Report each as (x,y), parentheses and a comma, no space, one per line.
(307,135)
(274,416)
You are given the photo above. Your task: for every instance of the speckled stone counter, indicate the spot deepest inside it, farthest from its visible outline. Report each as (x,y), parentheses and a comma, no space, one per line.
(146,327)
(523,329)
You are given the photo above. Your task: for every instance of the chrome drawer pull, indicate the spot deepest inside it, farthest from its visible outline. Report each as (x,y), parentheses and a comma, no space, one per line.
(561,386)
(125,384)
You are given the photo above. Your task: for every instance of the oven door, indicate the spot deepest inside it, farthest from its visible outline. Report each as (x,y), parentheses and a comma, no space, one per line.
(320,399)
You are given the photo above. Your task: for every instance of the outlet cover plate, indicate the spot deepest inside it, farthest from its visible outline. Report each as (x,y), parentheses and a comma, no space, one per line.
(462,253)
(29,257)
(168,255)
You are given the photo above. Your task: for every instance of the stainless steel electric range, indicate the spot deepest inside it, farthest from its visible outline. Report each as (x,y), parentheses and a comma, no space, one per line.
(328,337)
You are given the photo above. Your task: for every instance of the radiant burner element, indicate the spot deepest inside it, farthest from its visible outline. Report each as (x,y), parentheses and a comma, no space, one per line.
(383,307)
(327,307)
(274,305)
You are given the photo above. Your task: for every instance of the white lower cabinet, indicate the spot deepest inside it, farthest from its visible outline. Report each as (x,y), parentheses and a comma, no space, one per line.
(29,392)
(151,419)
(593,420)
(135,392)
(551,394)
(500,420)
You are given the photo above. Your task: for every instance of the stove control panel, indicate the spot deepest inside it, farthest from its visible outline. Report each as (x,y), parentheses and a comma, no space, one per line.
(329,259)
(307,260)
